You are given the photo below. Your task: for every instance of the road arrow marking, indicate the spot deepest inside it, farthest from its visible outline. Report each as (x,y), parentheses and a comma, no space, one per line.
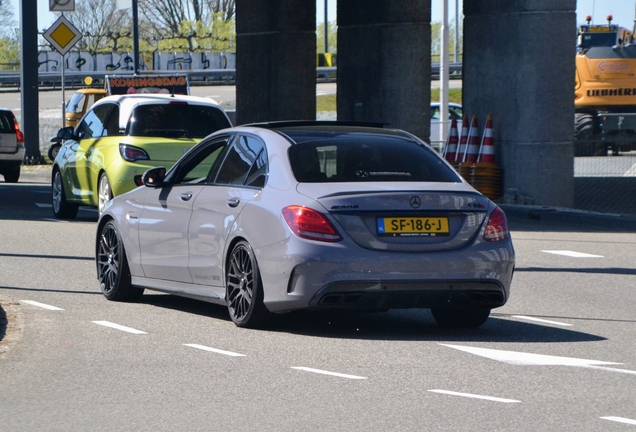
(214,350)
(572,254)
(620,420)
(119,327)
(42,305)
(474,396)
(318,371)
(540,320)
(528,359)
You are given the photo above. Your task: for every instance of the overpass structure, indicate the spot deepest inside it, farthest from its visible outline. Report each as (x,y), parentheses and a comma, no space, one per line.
(518,66)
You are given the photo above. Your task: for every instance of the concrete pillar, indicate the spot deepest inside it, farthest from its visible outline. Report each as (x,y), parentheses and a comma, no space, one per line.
(519,67)
(384,63)
(275,60)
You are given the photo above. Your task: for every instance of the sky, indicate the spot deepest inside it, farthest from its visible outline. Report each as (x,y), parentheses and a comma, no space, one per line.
(622,10)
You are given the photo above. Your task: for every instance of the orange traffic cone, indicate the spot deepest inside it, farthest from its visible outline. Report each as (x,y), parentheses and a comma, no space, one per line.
(450,149)
(487,148)
(461,148)
(472,147)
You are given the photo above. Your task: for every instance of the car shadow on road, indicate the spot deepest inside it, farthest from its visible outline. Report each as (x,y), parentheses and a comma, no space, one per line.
(394,325)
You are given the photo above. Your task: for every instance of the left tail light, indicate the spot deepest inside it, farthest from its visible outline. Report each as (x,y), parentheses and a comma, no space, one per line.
(310,224)
(18,133)
(132,154)
(497,228)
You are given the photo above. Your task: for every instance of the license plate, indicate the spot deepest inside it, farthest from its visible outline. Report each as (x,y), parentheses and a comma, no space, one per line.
(413,226)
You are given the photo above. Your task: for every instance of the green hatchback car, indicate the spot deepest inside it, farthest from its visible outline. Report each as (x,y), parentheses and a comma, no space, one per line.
(121,137)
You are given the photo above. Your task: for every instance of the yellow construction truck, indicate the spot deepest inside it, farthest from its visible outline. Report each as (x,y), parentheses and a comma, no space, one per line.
(605,90)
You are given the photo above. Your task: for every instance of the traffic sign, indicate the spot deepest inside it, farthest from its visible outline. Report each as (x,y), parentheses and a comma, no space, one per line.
(61,5)
(62,35)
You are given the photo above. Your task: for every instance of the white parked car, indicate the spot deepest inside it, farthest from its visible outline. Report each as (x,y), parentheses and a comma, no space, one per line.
(11,146)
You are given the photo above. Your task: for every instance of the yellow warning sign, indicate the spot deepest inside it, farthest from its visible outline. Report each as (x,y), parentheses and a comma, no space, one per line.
(62,35)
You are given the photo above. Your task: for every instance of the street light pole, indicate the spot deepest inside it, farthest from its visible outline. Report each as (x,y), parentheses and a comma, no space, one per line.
(135,17)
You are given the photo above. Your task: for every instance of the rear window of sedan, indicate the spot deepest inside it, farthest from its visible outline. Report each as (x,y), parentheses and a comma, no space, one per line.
(176,120)
(367,158)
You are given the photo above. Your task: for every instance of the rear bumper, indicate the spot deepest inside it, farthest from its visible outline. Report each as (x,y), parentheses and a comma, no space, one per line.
(409,295)
(12,158)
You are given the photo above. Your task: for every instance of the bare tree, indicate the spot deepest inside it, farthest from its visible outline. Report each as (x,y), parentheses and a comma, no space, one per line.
(101,25)
(7,21)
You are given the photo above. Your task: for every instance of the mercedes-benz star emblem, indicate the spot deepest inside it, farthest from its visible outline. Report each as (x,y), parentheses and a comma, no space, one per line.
(415,202)
(362,173)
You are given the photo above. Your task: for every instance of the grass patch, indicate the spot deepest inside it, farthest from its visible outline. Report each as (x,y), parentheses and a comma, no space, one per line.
(328,102)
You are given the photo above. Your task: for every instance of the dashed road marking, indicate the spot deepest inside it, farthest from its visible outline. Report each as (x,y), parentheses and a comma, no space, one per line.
(214,350)
(474,396)
(540,320)
(119,327)
(572,254)
(620,420)
(318,371)
(42,305)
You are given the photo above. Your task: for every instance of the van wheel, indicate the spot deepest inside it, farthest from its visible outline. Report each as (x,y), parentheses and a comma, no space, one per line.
(62,209)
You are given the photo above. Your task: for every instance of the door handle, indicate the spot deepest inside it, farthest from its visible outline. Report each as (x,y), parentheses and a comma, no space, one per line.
(186,196)
(233,202)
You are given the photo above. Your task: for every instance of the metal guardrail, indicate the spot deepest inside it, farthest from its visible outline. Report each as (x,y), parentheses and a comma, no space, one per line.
(196,77)
(202,76)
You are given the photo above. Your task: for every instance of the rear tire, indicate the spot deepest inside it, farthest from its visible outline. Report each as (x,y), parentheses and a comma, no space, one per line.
(12,174)
(62,209)
(113,272)
(244,291)
(460,317)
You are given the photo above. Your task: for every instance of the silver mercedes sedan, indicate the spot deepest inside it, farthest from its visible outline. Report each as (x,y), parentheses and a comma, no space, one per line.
(275,217)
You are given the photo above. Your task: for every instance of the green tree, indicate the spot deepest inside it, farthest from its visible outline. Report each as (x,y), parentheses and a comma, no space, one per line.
(332,38)
(9,53)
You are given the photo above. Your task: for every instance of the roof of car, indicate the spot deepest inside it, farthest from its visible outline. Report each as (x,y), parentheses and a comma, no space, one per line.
(138,99)
(307,130)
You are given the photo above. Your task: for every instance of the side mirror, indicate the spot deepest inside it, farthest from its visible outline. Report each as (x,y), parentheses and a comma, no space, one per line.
(66,133)
(154,177)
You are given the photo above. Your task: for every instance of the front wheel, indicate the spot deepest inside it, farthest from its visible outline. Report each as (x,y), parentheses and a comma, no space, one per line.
(244,293)
(104,193)
(62,209)
(53,151)
(113,272)
(460,317)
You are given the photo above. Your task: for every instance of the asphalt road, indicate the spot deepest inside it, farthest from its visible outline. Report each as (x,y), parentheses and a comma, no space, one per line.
(558,356)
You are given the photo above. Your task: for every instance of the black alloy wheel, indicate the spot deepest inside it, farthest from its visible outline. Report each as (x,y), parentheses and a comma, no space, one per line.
(244,295)
(113,272)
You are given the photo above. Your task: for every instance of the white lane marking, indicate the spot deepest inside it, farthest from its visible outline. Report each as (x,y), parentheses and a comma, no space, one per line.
(119,327)
(572,254)
(320,93)
(306,369)
(620,420)
(42,305)
(214,350)
(474,396)
(43,205)
(528,359)
(540,320)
